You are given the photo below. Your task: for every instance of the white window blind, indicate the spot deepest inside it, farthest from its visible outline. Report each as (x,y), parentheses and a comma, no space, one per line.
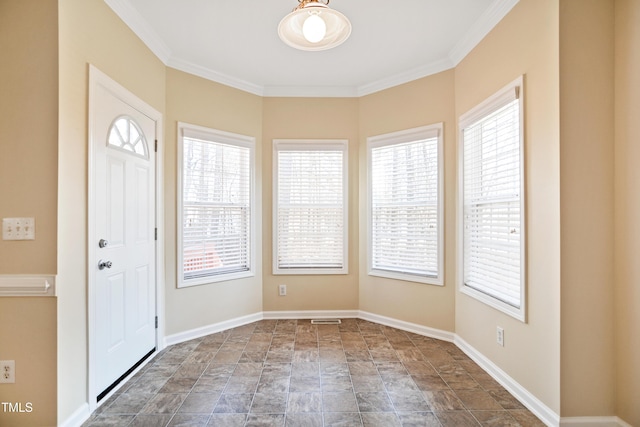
(492,187)
(215,206)
(405,205)
(310,207)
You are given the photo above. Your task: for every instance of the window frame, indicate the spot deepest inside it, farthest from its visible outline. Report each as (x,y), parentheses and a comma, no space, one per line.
(501,98)
(311,145)
(401,137)
(186,130)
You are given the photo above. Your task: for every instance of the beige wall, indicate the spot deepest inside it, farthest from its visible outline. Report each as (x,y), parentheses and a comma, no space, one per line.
(524,42)
(28,188)
(28,129)
(423,102)
(627,209)
(28,336)
(89,33)
(542,39)
(586,194)
(201,102)
(310,118)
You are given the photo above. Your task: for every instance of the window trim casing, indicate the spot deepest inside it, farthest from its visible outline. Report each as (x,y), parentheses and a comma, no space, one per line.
(484,108)
(202,132)
(399,137)
(339,144)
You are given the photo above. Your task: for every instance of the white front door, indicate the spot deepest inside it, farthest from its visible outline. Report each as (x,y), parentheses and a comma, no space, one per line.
(122,236)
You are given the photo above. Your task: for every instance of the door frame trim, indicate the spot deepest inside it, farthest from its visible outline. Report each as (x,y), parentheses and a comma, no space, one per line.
(97,77)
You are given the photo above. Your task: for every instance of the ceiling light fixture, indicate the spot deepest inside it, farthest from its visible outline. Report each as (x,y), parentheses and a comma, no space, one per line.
(313,26)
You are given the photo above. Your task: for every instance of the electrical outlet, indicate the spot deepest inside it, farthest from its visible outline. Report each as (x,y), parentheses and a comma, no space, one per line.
(282,290)
(500,336)
(7,371)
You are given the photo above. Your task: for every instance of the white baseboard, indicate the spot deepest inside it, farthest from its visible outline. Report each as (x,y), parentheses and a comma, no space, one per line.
(539,409)
(546,415)
(244,320)
(311,314)
(76,419)
(407,326)
(211,329)
(622,423)
(593,422)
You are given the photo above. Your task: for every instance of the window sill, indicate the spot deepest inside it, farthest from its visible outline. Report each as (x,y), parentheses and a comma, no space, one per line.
(515,312)
(309,271)
(436,281)
(215,279)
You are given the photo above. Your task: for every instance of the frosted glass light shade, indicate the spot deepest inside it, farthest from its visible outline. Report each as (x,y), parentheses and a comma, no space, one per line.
(292,27)
(314,29)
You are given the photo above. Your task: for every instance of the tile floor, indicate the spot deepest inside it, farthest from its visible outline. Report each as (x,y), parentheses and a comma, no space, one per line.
(293,373)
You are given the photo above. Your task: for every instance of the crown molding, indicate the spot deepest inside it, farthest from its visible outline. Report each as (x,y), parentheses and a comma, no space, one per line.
(311,91)
(209,74)
(405,77)
(265,91)
(489,19)
(136,22)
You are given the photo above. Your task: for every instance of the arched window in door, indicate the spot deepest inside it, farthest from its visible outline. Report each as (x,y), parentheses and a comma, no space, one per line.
(126,134)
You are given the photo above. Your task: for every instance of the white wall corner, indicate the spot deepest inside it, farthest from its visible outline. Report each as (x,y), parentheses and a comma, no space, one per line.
(27,285)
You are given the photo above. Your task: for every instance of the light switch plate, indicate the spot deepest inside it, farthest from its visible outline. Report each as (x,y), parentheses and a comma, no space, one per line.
(18,228)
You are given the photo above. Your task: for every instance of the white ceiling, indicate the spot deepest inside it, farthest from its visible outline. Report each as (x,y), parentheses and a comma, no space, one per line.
(235,42)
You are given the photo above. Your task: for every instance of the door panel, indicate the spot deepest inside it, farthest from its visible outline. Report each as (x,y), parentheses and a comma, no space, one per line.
(142,318)
(114,314)
(115,202)
(124,215)
(142,206)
